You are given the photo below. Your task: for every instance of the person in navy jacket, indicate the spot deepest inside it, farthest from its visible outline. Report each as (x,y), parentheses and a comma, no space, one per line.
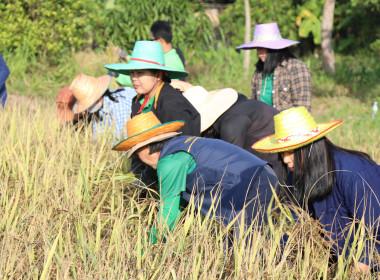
(219,178)
(4,73)
(337,186)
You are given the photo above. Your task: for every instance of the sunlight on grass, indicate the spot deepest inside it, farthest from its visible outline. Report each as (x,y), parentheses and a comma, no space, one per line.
(64,217)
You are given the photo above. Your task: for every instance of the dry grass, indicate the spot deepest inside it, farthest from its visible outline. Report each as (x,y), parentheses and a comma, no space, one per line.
(63,217)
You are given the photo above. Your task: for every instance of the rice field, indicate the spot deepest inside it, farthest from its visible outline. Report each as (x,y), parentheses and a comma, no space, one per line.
(67,210)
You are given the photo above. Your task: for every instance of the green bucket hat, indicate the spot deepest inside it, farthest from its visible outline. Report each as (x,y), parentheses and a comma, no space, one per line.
(146,55)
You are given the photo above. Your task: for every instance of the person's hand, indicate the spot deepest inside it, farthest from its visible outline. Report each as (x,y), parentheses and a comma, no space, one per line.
(120,53)
(364,267)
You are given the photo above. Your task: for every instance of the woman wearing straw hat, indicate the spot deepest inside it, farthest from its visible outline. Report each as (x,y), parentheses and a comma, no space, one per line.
(229,116)
(108,108)
(206,170)
(338,186)
(151,80)
(280,79)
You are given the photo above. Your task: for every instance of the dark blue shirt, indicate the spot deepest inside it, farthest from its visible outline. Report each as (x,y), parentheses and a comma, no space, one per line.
(355,196)
(4,73)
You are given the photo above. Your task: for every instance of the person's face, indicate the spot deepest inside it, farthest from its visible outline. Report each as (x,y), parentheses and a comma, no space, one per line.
(262,53)
(148,158)
(144,81)
(288,159)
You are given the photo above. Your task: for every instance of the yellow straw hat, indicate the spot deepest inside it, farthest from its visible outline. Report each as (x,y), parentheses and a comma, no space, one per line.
(88,90)
(146,128)
(294,128)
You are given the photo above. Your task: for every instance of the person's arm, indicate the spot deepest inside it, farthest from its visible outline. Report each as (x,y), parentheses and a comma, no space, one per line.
(253,86)
(301,85)
(362,197)
(172,172)
(4,71)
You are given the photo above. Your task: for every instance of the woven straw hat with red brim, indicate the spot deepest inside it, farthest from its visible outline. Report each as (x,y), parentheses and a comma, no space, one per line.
(144,129)
(294,128)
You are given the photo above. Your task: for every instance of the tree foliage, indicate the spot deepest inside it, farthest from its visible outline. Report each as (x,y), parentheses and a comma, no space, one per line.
(56,27)
(123,22)
(356,22)
(43,27)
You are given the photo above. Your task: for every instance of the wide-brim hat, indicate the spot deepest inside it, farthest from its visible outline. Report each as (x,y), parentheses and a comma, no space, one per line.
(267,35)
(294,128)
(146,55)
(144,129)
(88,90)
(210,105)
(65,101)
(181,85)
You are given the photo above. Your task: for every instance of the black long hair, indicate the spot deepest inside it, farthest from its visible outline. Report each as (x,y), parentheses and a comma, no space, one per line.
(165,76)
(273,59)
(314,172)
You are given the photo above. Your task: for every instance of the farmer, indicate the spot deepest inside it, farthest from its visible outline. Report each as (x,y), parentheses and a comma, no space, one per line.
(4,73)
(151,79)
(280,79)
(229,116)
(65,101)
(336,185)
(108,107)
(209,169)
(160,32)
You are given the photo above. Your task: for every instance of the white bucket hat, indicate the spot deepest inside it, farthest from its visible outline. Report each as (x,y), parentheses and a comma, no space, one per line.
(210,105)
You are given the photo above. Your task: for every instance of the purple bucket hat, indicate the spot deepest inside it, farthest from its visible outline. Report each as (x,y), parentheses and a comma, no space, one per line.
(267,36)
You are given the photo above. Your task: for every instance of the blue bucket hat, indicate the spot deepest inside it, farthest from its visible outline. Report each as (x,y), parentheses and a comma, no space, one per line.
(146,55)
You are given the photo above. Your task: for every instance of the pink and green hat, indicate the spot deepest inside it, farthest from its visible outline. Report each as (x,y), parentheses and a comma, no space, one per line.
(267,35)
(146,55)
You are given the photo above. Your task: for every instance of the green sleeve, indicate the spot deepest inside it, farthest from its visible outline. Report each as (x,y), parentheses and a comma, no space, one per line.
(125,80)
(172,172)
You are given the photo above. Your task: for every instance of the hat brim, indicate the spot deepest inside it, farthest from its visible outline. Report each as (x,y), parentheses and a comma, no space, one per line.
(124,68)
(83,105)
(275,44)
(149,136)
(269,144)
(217,102)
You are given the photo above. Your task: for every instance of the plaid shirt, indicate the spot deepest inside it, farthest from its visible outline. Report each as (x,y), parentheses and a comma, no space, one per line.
(291,85)
(115,113)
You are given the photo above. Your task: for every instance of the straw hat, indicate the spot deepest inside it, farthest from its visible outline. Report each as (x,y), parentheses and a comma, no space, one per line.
(294,128)
(88,90)
(144,129)
(65,101)
(146,55)
(210,105)
(267,36)
(181,85)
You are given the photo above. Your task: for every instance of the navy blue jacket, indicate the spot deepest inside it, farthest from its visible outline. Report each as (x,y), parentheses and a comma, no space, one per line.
(226,173)
(356,194)
(4,73)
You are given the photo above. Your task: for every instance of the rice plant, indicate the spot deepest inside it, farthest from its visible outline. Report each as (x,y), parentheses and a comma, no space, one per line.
(67,211)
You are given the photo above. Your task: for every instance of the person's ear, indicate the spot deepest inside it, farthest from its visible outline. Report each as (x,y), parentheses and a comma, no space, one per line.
(159,75)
